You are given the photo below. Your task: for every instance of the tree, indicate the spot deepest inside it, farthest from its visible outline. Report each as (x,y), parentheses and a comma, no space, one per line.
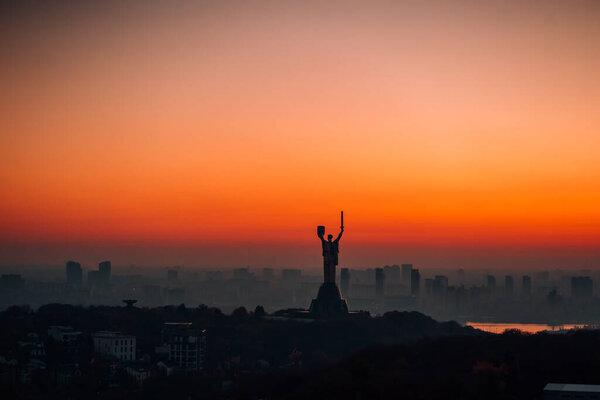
(259,311)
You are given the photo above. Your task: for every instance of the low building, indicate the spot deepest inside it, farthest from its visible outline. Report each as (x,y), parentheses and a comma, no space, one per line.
(65,373)
(185,345)
(571,391)
(66,335)
(9,372)
(165,368)
(32,345)
(115,344)
(139,371)
(30,369)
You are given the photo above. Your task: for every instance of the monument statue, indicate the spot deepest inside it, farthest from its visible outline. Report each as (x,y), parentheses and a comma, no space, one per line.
(329,301)
(331,249)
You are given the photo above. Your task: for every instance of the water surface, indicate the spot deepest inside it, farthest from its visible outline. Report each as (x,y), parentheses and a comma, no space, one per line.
(530,328)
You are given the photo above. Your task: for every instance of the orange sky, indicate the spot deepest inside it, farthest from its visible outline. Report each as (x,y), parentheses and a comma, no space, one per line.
(453,133)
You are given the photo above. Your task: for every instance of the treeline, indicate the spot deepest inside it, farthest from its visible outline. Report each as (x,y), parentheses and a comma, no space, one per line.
(247,336)
(513,365)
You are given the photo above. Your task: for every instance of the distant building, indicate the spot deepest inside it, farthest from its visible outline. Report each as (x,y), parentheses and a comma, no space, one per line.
(64,334)
(428,286)
(100,277)
(115,344)
(406,271)
(105,268)
(400,303)
(442,280)
(11,283)
(461,277)
(379,282)
(184,345)
(582,287)
(542,278)
(491,283)
(172,278)
(175,295)
(94,278)
(526,285)
(214,275)
(562,391)
(268,273)
(440,287)
(361,291)
(74,274)
(509,285)
(153,294)
(415,282)
(242,273)
(392,273)
(291,274)
(345,281)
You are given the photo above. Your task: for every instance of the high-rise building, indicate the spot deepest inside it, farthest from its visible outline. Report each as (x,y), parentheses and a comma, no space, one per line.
(379,282)
(185,345)
(509,285)
(491,283)
(440,287)
(104,267)
(582,287)
(74,274)
(345,281)
(428,286)
(101,277)
(392,273)
(406,268)
(415,282)
(526,285)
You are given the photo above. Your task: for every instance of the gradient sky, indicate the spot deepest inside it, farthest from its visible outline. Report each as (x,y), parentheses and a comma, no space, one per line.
(461,133)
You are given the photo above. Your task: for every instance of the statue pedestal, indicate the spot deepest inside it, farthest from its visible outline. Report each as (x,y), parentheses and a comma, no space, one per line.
(329,302)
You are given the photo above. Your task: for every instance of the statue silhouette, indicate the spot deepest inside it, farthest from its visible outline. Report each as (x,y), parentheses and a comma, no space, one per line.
(329,302)
(331,250)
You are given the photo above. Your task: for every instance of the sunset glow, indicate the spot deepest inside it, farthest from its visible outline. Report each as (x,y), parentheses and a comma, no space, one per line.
(450,134)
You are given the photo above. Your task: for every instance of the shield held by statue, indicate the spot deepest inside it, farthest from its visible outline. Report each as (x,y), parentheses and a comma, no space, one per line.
(320,231)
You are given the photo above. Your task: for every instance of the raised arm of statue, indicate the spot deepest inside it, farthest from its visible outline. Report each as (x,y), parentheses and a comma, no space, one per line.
(340,235)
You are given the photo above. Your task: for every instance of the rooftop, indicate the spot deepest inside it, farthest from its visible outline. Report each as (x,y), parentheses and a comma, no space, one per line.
(571,387)
(110,334)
